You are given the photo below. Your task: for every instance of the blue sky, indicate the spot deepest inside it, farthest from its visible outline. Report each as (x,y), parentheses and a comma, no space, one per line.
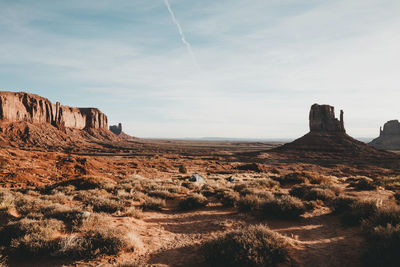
(261,63)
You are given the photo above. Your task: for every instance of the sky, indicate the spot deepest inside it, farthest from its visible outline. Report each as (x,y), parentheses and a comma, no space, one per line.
(244,69)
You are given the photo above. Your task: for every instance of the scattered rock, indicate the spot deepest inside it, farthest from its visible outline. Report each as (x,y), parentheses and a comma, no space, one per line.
(197,178)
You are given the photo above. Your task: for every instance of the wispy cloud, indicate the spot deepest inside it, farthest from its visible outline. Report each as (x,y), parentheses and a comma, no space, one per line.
(182,35)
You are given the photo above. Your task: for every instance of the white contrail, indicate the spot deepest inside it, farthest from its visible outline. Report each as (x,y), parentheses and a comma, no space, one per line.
(186,43)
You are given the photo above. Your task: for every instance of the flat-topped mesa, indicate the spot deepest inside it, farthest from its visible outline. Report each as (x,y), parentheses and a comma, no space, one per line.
(322,119)
(389,136)
(391,128)
(15,107)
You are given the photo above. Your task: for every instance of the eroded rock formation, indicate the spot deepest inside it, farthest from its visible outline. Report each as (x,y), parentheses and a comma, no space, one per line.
(389,136)
(117,129)
(16,107)
(328,139)
(322,119)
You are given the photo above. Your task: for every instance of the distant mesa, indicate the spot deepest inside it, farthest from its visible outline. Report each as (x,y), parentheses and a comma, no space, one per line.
(29,119)
(16,107)
(328,134)
(389,136)
(117,129)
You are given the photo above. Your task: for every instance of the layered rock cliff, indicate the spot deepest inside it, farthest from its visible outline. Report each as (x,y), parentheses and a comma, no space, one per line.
(389,136)
(17,107)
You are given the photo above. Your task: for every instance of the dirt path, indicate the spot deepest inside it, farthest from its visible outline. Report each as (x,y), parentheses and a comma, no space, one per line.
(172,238)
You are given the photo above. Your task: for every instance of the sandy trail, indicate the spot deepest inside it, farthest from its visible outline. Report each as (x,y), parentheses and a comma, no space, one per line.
(173,238)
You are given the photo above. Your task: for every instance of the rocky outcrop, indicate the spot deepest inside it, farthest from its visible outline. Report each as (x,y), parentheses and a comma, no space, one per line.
(116,129)
(17,107)
(322,119)
(389,136)
(328,138)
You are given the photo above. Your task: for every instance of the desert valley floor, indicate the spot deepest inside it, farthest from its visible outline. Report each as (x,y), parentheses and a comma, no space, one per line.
(139,187)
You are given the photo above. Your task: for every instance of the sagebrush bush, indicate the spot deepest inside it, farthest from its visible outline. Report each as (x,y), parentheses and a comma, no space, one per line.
(312,192)
(363,183)
(133,212)
(194,201)
(358,211)
(383,243)
(152,203)
(341,204)
(303,177)
(183,169)
(229,198)
(285,207)
(92,244)
(30,238)
(161,193)
(249,203)
(207,190)
(389,214)
(251,246)
(86,183)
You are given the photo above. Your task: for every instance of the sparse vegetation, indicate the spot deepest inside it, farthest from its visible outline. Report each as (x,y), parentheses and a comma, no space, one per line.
(193,201)
(251,246)
(363,183)
(152,203)
(312,192)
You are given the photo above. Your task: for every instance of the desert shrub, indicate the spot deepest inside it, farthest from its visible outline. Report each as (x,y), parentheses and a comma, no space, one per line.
(152,203)
(390,183)
(286,207)
(175,188)
(66,214)
(193,201)
(6,200)
(229,198)
(90,222)
(87,195)
(103,204)
(190,185)
(183,169)
(138,196)
(358,211)
(383,246)
(249,203)
(133,212)
(207,190)
(341,204)
(161,193)
(86,183)
(58,197)
(3,261)
(106,241)
(381,217)
(29,237)
(26,205)
(303,177)
(251,246)
(363,183)
(266,183)
(309,192)
(397,197)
